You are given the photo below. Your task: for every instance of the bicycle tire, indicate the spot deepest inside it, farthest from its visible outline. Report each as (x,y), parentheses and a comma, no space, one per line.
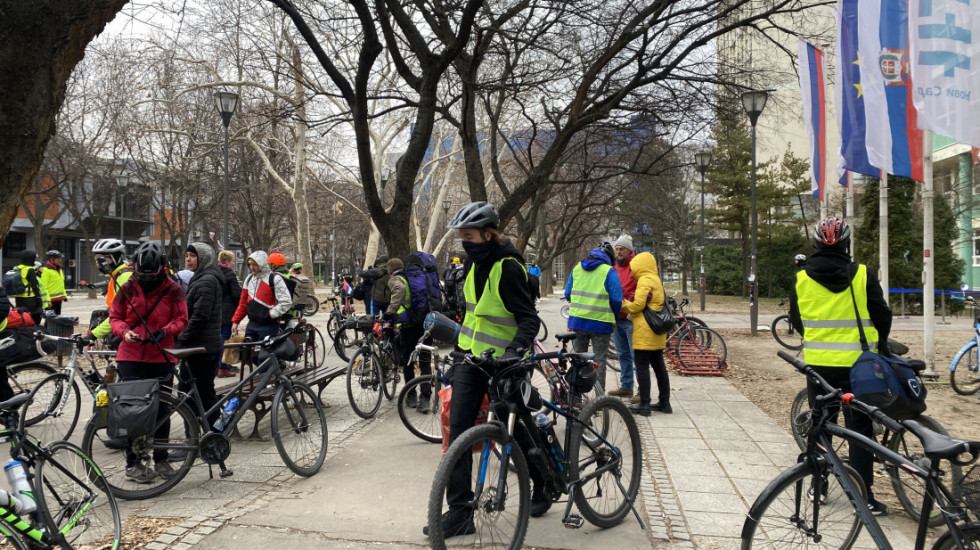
(424,424)
(513,519)
(964,376)
(315,349)
(364,383)
(800,425)
(694,347)
(390,369)
(344,341)
(13,537)
(782,331)
(600,501)
(542,329)
(44,415)
(74,494)
(910,489)
(692,320)
(24,376)
(311,306)
(301,442)
(612,355)
(184,429)
(333,323)
(971,531)
(774,512)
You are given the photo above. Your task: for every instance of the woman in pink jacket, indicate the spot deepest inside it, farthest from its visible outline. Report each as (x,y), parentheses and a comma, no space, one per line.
(148,313)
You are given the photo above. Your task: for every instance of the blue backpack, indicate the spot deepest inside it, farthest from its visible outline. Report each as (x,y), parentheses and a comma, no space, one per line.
(423,285)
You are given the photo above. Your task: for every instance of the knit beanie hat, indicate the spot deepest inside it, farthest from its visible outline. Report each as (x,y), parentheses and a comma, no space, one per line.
(394,265)
(624,241)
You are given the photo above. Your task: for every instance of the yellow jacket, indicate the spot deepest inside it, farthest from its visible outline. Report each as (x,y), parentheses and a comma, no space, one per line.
(649,291)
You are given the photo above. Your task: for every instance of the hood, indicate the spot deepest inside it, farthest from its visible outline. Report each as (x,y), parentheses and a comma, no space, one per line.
(262,259)
(829,267)
(204,252)
(504,251)
(644,264)
(596,258)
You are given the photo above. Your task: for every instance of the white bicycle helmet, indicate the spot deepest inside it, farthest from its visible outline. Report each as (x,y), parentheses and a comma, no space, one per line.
(113,249)
(800,258)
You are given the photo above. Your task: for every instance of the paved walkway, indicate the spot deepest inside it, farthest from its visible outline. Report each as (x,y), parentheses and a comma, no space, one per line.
(704,465)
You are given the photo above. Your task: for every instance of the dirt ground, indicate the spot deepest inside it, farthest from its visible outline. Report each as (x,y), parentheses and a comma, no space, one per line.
(772,384)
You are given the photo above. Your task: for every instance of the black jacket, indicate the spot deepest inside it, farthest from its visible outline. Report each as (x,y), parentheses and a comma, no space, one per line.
(514,292)
(231,293)
(204,299)
(831,268)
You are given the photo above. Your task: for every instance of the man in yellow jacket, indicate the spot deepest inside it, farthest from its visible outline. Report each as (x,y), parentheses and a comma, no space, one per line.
(34,297)
(53,279)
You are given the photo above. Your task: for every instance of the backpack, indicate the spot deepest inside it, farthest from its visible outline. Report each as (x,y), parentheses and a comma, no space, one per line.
(422,277)
(297,288)
(455,281)
(13,283)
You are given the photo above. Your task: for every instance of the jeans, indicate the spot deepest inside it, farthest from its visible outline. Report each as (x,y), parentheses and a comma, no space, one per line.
(378,307)
(600,346)
(646,358)
(623,337)
(256,332)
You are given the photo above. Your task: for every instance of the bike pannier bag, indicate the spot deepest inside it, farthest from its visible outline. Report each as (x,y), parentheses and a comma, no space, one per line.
(133,408)
(888,383)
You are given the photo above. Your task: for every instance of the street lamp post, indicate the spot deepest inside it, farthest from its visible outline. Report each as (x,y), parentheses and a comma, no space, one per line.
(754,102)
(225,103)
(446,204)
(122,181)
(701,162)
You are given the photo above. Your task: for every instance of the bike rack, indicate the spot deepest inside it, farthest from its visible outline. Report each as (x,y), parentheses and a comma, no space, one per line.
(699,362)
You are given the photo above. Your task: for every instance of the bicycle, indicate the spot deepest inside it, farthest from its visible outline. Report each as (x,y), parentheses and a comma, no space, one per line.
(73,506)
(340,327)
(783,331)
(313,346)
(964,371)
(298,424)
(822,500)
(598,466)
(22,377)
(695,346)
(373,369)
(424,419)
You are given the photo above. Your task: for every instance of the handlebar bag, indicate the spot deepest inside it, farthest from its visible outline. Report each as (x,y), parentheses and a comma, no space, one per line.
(133,408)
(888,383)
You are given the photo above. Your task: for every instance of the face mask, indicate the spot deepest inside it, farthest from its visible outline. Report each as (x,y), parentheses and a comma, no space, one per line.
(477,252)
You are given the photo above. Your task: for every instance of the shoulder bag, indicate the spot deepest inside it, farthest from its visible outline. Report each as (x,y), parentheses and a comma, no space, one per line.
(661,322)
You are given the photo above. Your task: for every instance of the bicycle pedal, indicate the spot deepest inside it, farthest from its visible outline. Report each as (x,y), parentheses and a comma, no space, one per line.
(573,521)
(225,472)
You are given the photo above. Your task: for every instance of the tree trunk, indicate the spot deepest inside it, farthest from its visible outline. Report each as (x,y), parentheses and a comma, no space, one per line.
(303,246)
(41,41)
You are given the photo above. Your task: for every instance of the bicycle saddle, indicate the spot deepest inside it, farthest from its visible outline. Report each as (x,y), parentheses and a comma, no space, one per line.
(185,352)
(937,445)
(14,402)
(566,337)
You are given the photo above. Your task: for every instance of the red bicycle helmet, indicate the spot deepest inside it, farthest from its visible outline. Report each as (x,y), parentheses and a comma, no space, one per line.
(277,259)
(832,231)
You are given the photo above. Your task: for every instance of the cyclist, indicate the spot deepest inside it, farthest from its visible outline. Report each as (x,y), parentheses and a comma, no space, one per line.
(148,316)
(277,261)
(263,304)
(822,308)
(800,261)
(34,298)
(53,279)
(499,316)
(110,255)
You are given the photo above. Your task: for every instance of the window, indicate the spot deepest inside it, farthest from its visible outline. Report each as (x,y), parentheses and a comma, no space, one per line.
(976,248)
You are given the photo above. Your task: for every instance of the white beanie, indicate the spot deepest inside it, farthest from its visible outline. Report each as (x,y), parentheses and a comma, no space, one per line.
(624,241)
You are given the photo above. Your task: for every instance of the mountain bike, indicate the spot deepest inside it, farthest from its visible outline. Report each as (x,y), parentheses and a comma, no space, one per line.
(73,506)
(783,331)
(822,500)
(373,369)
(298,425)
(964,371)
(598,464)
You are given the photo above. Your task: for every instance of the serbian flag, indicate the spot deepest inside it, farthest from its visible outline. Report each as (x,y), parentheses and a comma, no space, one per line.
(892,136)
(347,287)
(812,89)
(848,97)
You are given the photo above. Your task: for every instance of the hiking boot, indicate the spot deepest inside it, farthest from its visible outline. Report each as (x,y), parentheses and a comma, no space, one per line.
(662,407)
(641,409)
(635,399)
(164,469)
(423,406)
(140,473)
(412,400)
(225,373)
(454,526)
(621,392)
(540,503)
(877,508)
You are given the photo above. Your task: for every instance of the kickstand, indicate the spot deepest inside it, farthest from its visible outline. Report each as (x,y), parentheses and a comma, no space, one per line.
(210,472)
(622,489)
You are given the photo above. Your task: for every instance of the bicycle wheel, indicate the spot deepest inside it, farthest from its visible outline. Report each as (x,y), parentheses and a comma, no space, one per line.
(501,498)
(12,536)
(390,369)
(51,411)
(700,348)
(800,425)
(344,342)
(299,428)
(364,383)
(315,350)
(74,493)
(425,423)
(694,321)
(964,374)
(542,329)
(311,306)
(782,330)
(970,532)
(25,376)
(333,323)
(911,489)
(600,498)
(612,355)
(783,514)
(105,451)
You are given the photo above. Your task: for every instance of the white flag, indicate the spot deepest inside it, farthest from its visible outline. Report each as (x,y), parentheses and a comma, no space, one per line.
(945,63)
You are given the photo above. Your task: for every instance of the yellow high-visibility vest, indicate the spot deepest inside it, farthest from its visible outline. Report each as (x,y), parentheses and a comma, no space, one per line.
(830,329)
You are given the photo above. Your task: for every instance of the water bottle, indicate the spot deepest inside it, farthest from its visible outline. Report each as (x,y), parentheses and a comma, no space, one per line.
(226,413)
(542,421)
(552,374)
(18,483)
(10,502)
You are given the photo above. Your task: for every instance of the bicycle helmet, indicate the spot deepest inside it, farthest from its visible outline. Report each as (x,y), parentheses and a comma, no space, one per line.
(476,215)
(800,258)
(149,261)
(53,254)
(832,231)
(113,249)
(277,259)
(608,249)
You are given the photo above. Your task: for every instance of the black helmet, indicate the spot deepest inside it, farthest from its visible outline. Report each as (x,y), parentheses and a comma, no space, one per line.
(149,261)
(53,254)
(476,215)
(607,247)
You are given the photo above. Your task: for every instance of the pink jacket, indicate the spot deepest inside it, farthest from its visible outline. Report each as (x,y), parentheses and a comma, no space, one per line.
(170,315)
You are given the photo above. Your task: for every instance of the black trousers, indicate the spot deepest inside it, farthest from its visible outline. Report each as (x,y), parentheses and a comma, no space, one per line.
(408,338)
(203,368)
(643,359)
(135,370)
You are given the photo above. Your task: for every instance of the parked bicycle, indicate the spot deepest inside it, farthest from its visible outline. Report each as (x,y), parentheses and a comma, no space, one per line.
(692,343)
(298,424)
(598,463)
(783,331)
(340,326)
(964,371)
(66,503)
(822,500)
(373,369)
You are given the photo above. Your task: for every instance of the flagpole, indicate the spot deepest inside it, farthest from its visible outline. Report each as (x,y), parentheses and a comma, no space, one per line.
(850,212)
(929,260)
(883,234)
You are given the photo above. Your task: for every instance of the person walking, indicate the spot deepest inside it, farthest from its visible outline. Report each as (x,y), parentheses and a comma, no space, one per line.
(595,297)
(231,292)
(264,300)
(33,297)
(204,298)
(648,346)
(623,331)
(53,279)
(822,308)
(500,318)
(147,317)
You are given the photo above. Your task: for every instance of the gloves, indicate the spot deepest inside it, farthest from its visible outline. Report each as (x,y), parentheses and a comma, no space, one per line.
(88,339)
(388,316)
(158,335)
(510,354)
(90,285)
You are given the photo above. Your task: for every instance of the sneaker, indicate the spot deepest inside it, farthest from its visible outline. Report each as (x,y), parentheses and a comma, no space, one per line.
(412,400)
(877,508)
(423,406)
(140,473)
(225,373)
(164,469)
(642,410)
(635,399)
(662,407)
(621,392)
(232,369)
(452,526)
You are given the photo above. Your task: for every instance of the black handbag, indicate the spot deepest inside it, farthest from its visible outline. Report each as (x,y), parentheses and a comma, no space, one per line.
(661,322)
(133,408)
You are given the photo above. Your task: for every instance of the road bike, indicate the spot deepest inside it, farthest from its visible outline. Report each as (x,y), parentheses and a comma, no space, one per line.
(783,331)
(964,371)
(597,464)
(373,369)
(822,500)
(74,509)
(298,424)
